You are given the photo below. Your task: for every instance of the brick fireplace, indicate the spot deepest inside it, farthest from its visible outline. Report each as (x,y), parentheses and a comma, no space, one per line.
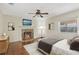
(27,34)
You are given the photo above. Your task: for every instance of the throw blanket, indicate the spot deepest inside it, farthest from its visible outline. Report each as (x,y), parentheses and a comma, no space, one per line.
(46,44)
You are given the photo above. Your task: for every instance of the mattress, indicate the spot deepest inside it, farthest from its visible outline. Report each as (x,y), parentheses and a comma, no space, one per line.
(63,48)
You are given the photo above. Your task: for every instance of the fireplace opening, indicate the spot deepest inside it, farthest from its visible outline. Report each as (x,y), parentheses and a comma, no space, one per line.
(27,34)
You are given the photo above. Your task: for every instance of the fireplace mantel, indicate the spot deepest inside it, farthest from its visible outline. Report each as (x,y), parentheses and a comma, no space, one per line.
(27,36)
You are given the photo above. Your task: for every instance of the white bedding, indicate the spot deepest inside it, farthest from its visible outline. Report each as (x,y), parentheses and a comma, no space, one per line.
(62,48)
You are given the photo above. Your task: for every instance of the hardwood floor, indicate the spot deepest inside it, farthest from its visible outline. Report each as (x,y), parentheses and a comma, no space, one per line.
(16,48)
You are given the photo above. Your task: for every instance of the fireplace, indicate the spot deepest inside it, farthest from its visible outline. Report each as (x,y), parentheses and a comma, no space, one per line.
(27,34)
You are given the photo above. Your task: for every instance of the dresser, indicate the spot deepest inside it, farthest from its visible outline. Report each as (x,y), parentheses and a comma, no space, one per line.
(4,43)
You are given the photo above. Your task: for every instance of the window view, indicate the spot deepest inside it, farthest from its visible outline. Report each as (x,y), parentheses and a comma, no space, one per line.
(68,27)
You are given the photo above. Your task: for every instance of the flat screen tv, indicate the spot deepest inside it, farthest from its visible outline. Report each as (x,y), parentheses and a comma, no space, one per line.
(27,22)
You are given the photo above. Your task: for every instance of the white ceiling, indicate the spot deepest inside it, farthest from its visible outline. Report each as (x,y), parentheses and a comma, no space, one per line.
(22,9)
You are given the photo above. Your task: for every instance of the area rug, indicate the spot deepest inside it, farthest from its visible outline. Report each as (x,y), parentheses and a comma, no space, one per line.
(32,49)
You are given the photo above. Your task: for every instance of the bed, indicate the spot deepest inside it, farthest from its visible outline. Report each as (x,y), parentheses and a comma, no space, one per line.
(63,48)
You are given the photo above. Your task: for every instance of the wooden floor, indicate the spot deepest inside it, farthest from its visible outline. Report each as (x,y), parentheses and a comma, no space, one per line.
(16,48)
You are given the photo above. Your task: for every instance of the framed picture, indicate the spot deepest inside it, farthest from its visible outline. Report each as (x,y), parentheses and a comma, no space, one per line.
(26,22)
(51,26)
(11,26)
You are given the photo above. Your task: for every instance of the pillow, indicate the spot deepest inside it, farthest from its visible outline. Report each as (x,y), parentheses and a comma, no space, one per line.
(75,45)
(73,39)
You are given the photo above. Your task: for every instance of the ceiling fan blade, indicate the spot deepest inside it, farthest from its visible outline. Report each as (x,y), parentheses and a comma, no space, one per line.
(44,13)
(31,13)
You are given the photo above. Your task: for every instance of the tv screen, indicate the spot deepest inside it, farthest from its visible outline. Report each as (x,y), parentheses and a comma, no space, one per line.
(27,22)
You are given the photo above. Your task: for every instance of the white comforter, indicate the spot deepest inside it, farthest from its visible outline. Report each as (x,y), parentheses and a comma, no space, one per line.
(62,48)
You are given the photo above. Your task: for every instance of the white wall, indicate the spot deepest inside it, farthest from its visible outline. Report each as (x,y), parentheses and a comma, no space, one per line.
(39,22)
(1,24)
(64,17)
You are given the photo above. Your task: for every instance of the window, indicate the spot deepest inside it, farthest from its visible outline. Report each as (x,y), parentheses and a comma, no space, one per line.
(68,26)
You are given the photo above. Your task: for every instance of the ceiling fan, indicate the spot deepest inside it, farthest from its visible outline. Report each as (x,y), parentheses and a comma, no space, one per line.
(38,12)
